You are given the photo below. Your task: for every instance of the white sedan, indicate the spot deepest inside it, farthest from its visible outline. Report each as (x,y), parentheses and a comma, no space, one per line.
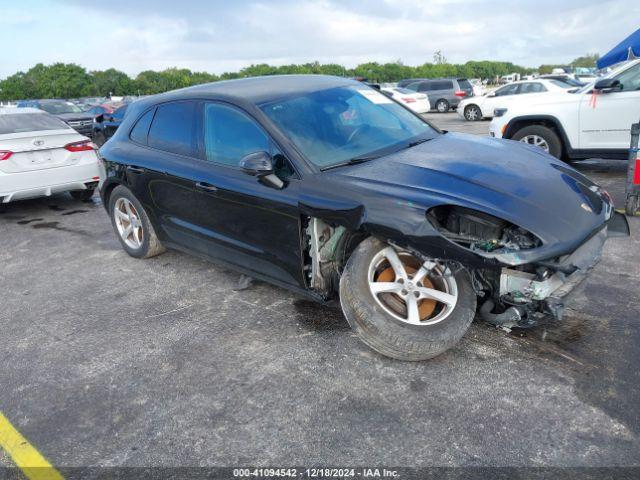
(477,108)
(41,155)
(418,102)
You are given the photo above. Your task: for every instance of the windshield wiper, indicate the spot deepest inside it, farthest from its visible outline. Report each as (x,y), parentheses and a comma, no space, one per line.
(353,161)
(417,142)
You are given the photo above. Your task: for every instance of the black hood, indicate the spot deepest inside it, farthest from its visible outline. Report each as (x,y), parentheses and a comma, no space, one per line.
(507,179)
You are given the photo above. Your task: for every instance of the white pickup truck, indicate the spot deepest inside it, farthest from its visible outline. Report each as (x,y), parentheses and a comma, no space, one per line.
(595,121)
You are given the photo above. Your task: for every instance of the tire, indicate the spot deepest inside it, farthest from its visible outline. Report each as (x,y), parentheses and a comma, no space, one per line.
(632,205)
(442,106)
(385,333)
(149,245)
(82,195)
(531,133)
(472,113)
(98,138)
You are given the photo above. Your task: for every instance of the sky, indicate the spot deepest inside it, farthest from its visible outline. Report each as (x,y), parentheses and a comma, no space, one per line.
(218,36)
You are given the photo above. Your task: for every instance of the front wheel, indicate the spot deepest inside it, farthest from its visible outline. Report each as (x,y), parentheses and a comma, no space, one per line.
(472,113)
(402,306)
(542,137)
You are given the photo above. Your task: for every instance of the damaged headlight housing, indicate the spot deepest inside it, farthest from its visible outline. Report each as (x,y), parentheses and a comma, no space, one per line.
(480,232)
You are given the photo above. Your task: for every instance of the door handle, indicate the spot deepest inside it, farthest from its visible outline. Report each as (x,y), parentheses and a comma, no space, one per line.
(134,169)
(207,187)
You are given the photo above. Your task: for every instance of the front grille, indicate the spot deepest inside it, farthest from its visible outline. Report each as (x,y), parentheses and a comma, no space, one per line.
(80,123)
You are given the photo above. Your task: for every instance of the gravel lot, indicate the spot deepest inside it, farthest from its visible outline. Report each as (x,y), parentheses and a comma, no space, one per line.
(112,361)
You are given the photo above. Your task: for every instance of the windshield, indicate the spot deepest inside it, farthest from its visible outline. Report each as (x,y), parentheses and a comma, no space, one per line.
(29,122)
(561,83)
(334,126)
(56,108)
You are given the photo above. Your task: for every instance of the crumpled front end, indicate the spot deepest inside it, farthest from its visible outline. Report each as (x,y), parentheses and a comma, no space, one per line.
(525,295)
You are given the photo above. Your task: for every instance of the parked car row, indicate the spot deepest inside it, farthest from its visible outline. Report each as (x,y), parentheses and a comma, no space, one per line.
(594,121)
(68,112)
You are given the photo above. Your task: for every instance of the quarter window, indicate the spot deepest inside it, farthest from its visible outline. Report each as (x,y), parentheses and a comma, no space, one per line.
(173,128)
(140,131)
(229,135)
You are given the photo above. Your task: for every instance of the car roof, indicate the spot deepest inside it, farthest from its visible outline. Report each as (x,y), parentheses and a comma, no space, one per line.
(19,111)
(257,90)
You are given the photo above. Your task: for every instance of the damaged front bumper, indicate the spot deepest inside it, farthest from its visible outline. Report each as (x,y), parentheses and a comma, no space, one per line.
(531,296)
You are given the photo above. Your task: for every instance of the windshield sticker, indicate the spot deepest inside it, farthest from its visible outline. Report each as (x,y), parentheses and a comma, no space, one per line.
(374,96)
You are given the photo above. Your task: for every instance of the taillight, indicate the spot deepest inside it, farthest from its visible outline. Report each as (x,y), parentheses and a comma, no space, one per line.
(5,154)
(82,146)
(408,100)
(460,93)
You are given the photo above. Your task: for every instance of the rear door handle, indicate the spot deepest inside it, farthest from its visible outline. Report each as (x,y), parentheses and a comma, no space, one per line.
(134,169)
(207,187)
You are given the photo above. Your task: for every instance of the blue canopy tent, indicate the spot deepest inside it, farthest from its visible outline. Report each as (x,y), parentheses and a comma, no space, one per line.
(627,49)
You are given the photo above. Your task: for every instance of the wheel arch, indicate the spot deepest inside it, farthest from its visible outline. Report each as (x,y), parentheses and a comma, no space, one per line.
(549,121)
(107,189)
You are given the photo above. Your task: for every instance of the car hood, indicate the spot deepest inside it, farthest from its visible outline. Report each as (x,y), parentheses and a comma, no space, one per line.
(70,117)
(507,179)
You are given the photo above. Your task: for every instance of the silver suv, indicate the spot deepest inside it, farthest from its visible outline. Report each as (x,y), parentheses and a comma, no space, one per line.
(444,93)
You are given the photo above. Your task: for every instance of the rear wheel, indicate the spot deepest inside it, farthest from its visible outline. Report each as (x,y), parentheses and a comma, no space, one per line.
(472,113)
(402,306)
(542,137)
(132,225)
(442,106)
(82,195)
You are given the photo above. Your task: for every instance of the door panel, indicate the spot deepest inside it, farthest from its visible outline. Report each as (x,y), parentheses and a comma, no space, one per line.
(606,118)
(240,221)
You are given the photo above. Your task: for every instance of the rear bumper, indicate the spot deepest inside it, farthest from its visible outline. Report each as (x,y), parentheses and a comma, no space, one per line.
(43,183)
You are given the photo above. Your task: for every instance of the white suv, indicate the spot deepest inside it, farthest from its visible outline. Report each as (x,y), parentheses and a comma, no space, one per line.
(595,121)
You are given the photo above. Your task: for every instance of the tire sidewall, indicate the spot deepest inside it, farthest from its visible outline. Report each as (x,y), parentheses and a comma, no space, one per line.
(446,106)
(389,335)
(123,192)
(468,109)
(552,139)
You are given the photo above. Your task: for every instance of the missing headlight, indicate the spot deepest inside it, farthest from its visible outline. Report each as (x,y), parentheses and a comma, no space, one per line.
(479,231)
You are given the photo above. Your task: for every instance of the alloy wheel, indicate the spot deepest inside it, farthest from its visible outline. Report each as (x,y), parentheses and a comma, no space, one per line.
(128,223)
(472,113)
(536,140)
(410,290)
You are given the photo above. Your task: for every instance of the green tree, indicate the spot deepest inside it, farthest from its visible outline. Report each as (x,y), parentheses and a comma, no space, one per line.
(110,81)
(587,61)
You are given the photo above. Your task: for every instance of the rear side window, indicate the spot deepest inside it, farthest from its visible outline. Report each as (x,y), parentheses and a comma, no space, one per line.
(229,135)
(534,87)
(29,122)
(173,128)
(140,131)
(444,85)
(465,84)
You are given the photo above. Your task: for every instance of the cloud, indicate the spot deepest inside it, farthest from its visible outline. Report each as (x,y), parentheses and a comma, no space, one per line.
(219,36)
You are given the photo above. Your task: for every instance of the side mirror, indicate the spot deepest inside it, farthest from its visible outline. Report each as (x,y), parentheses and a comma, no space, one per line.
(491,94)
(260,165)
(607,85)
(257,164)
(99,118)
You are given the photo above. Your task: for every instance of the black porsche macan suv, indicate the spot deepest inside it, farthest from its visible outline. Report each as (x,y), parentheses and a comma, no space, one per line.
(325,186)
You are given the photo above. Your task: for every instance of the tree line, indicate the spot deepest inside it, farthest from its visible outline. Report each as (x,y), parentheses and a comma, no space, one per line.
(68,80)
